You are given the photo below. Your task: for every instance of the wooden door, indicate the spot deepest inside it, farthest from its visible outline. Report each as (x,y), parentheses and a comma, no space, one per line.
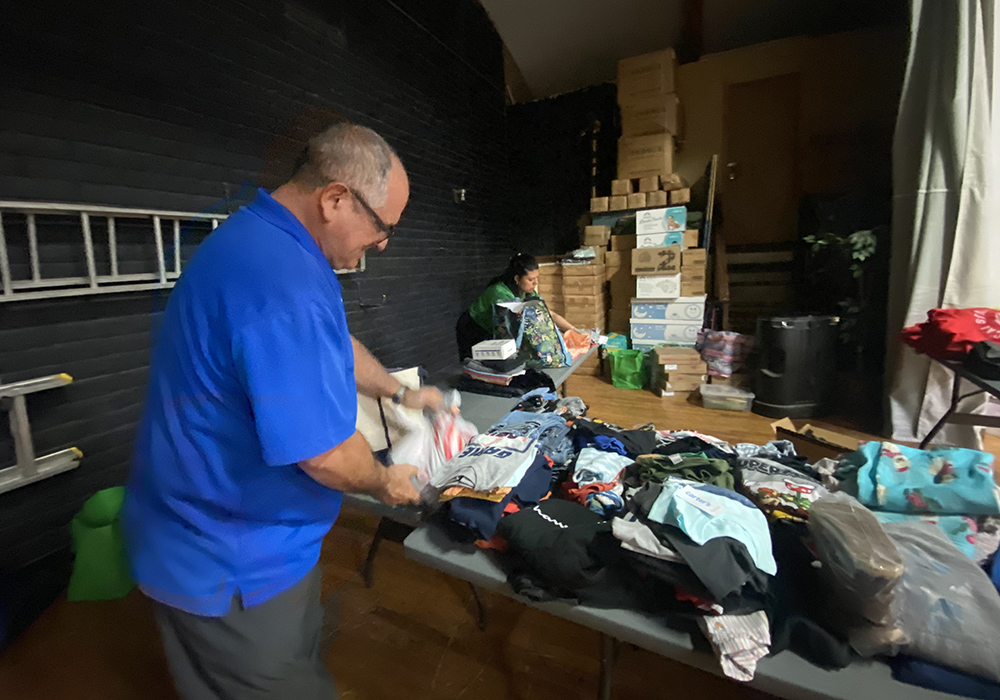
(759,181)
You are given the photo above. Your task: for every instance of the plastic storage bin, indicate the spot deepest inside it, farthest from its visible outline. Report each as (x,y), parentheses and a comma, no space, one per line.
(726,398)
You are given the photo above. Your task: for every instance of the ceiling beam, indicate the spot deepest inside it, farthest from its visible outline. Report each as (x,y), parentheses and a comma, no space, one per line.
(692,31)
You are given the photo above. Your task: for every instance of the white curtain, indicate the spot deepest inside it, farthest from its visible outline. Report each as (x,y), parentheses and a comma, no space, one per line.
(946,209)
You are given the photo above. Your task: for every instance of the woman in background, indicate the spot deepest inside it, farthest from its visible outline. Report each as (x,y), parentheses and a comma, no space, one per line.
(518,281)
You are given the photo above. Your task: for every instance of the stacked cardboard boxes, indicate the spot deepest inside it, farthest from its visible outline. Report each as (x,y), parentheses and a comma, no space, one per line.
(550,285)
(649,116)
(621,283)
(583,293)
(676,371)
(668,304)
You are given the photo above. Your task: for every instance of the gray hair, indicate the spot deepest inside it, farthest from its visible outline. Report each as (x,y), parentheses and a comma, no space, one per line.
(351,154)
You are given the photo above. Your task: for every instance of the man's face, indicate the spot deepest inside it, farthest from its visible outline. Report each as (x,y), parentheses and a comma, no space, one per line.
(350,227)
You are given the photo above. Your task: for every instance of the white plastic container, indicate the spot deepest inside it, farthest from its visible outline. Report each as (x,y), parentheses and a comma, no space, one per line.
(726,398)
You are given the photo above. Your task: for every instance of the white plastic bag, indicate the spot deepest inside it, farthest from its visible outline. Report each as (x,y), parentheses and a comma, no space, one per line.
(430,443)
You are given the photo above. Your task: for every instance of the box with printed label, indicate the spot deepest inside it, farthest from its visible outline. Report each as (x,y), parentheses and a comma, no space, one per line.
(650,73)
(694,256)
(679,309)
(666,287)
(494,349)
(652,114)
(645,156)
(656,261)
(652,345)
(664,331)
(661,220)
(659,240)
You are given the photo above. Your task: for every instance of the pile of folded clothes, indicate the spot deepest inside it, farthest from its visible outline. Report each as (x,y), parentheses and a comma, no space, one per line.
(749,545)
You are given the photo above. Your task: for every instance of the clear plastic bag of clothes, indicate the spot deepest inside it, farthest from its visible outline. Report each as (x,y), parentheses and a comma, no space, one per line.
(946,605)
(431,442)
(860,562)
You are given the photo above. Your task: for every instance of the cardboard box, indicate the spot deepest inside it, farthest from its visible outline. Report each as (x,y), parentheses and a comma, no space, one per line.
(699,368)
(623,242)
(599,204)
(677,355)
(656,199)
(494,349)
(683,382)
(637,200)
(664,220)
(644,156)
(659,240)
(656,261)
(613,258)
(679,309)
(664,331)
(691,238)
(592,283)
(671,182)
(596,235)
(619,187)
(815,443)
(693,273)
(618,203)
(680,196)
(588,270)
(649,184)
(655,113)
(639,76)
(694,256)
(693,289)
(594,301)
(588,318)
(668,286)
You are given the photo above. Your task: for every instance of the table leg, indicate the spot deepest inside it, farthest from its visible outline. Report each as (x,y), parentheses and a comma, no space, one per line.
(955,387)
(387,530)
(609,655)
(480,607)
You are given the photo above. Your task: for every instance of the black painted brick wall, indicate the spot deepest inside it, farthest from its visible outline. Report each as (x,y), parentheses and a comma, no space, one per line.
(185,105)
(550,155)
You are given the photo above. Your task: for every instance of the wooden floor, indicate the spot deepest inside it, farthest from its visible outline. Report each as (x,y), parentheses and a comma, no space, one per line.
(413,635)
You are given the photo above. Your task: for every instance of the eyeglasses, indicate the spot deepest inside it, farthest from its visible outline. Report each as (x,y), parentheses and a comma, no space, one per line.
(387,229)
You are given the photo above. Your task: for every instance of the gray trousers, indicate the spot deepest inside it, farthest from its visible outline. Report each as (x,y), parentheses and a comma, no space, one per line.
(267,652)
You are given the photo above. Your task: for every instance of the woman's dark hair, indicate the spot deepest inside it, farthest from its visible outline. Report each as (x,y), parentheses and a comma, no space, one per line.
(520,265)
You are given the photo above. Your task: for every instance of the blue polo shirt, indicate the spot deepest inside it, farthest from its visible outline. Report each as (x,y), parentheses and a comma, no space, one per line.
(253,372)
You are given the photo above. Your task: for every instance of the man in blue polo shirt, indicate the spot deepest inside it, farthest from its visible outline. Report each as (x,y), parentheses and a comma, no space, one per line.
(248,437)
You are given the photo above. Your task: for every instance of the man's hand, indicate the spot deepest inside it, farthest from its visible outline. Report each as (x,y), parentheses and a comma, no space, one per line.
(398,490)
(427,397)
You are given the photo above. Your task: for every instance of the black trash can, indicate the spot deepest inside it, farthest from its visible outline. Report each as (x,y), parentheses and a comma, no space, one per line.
(795,365)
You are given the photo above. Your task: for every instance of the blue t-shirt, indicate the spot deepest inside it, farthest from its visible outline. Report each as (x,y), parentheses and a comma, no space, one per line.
(253,372)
